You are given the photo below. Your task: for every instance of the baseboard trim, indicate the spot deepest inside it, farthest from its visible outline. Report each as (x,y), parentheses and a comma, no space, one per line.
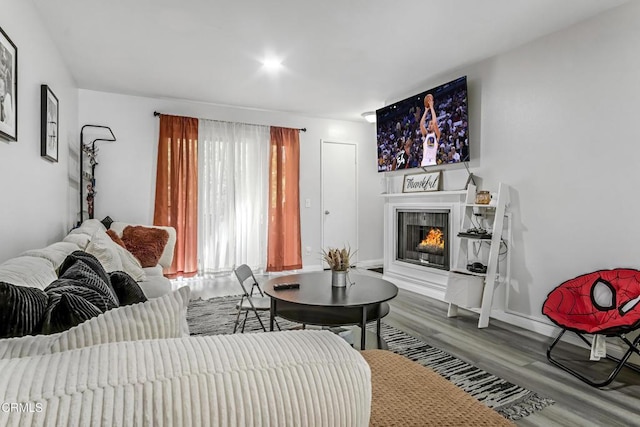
(370,263)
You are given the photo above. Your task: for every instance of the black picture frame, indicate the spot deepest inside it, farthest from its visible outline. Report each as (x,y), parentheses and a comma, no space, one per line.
(8,88)
(49,124)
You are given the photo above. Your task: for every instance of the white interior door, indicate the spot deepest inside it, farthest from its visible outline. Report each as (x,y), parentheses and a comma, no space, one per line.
(339,196)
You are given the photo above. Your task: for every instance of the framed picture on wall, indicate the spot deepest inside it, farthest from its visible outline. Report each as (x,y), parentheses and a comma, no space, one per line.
(8,88)
(49,124)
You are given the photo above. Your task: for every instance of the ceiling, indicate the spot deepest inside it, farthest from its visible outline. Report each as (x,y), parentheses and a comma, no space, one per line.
(340,57)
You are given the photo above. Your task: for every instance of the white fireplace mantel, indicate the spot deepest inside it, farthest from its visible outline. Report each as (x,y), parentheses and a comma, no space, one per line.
(424,280)
(428,194)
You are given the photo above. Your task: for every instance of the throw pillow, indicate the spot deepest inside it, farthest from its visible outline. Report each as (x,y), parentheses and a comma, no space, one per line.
(66,311)
(127,289)
(82,240)
(104,249)
(77,288)
(116,239)
(28,271)
(90,260)
(21,310)
(107,221)
(114,257)
(145,243)
(158,318)
(87,269)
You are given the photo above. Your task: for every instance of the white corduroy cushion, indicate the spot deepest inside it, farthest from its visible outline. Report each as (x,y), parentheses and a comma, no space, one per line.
(293,378)
(31,271)
(114,257)
(56,252)
(163,317)
(80,239)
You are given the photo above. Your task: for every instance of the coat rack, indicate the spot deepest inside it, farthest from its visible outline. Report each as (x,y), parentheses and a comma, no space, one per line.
(91,152)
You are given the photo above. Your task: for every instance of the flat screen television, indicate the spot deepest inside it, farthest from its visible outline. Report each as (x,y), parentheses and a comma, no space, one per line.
(409,135)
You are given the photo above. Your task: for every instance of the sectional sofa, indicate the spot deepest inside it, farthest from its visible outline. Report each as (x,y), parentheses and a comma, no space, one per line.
(137,364)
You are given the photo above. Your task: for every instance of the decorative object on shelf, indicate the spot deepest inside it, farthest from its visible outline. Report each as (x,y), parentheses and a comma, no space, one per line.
(483,197)
(339,262)
(422,182)
(89,150)
(8,88)
(49,123)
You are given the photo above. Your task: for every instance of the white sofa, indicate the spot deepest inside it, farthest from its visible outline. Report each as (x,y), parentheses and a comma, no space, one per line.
(135,366)
(37,267)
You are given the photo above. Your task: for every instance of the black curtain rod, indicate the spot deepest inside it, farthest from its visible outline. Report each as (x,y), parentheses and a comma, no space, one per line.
(156,114)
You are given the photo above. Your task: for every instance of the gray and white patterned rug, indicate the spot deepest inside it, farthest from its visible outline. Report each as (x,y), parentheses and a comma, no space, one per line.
(217,316)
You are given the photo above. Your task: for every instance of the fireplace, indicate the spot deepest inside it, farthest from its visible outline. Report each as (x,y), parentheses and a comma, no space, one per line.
(423,237)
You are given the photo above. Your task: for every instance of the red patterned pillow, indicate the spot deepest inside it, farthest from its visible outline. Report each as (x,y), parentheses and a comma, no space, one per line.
(114,236)
(145,243)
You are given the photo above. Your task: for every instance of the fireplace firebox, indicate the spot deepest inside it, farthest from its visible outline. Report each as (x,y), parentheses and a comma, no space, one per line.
(423,237)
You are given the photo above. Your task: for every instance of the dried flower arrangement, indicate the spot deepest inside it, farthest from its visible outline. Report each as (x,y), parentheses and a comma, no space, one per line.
(338,259)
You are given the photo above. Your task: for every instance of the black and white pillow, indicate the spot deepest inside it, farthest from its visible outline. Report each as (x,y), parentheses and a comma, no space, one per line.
(126,288)
(21,310)
(65,311)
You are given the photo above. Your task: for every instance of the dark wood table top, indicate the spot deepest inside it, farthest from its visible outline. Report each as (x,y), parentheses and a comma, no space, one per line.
(316,290)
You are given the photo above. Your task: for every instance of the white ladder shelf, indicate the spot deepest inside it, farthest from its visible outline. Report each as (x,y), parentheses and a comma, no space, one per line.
(494,215)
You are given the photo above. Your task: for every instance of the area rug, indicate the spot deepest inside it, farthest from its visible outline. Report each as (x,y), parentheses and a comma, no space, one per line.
(217,316)
(405,393)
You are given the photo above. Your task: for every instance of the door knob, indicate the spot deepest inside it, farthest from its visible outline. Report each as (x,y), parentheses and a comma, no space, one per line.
(326,212)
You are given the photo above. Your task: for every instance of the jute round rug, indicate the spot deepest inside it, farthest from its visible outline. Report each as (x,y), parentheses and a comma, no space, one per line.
(217,316)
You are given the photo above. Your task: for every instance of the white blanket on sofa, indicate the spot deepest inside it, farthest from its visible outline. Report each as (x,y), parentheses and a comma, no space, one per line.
(294,378)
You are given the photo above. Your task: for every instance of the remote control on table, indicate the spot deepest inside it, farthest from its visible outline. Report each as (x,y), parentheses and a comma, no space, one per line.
(280,286)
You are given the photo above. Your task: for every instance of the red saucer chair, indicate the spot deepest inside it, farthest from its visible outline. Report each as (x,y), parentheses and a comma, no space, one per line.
(605,302)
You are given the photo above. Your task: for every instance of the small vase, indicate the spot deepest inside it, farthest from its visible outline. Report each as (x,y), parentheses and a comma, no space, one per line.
(338,278)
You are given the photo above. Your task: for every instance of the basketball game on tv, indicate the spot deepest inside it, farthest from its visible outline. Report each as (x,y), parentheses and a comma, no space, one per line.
(428,129)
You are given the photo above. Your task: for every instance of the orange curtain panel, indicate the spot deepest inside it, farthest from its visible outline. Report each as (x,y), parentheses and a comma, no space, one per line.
(284,245)
(177,190)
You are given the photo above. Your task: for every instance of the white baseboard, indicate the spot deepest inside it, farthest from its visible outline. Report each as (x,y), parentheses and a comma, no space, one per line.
(418,289)
(370,263)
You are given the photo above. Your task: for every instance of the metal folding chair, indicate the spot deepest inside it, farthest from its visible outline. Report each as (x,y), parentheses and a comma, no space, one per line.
(249,302)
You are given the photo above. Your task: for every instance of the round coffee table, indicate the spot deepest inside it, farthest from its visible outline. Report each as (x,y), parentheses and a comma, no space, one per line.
(316,302)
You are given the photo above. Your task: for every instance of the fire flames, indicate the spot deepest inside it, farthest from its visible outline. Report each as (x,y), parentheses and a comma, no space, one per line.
(435,239)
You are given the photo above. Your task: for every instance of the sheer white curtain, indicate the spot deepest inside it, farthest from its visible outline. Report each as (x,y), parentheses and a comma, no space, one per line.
(233,199)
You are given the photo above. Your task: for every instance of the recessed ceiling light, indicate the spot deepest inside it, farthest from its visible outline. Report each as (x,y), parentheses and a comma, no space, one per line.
(272,64)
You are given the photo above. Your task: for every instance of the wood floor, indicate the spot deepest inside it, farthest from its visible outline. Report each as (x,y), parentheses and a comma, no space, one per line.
(519,356)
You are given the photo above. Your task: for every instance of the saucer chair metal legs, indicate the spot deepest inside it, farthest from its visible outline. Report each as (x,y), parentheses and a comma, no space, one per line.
(605,302)
(622,362)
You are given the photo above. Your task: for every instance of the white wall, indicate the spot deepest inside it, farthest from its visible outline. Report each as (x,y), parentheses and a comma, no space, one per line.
(557,120)
(37,195)
(125,176)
